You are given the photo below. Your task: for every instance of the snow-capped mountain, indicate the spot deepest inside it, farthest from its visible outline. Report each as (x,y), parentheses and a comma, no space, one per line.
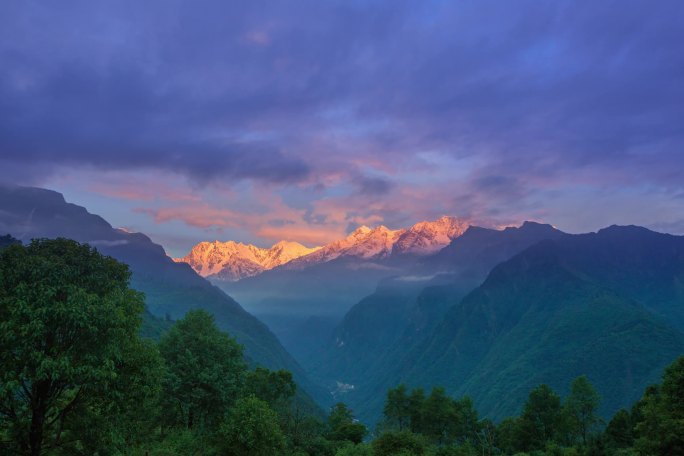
(235,260)
(364,243)
(424,238)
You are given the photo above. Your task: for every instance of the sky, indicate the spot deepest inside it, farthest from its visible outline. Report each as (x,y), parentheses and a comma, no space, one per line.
(261,121)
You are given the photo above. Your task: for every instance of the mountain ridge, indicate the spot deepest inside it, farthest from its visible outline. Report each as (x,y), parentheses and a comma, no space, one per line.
(606,304)
(170,288)
(232,261)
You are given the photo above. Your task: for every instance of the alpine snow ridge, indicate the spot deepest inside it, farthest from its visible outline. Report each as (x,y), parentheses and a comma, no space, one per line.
(233,261)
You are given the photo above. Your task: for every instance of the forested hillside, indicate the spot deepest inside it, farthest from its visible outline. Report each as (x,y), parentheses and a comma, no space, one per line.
(78,379)
(605,304)
(171,289)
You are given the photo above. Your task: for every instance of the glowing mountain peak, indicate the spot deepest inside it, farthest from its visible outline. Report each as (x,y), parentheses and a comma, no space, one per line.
(234,260)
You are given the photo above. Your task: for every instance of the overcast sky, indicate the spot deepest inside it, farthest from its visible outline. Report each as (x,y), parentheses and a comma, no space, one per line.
(259,121)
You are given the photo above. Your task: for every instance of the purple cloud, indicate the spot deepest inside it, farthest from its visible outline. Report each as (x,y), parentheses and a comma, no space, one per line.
(346,98)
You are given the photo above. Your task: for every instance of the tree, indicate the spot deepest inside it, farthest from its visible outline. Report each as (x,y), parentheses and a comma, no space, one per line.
(508,435)
(205,372)
(393,443)
(68,343)
(661,411)
(416,406)
(251,430)
(580,406)
(439,416)
(343,426)
(673,389)
(620,430)
(486,437)
(467,425)
(355,450)
(7,240)
(273,387)
(302,429)
(137,392)
(541,418)
(397,408)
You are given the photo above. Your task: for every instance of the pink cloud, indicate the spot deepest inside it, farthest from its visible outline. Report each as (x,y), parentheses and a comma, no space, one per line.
(258,37)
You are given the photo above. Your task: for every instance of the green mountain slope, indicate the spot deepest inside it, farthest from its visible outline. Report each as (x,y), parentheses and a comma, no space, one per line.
(536,321)
(605,304)
(171,289)
(376,333)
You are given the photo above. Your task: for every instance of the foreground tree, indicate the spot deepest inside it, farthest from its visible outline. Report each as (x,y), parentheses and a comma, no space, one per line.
(540,420)
(581,407)
(394,443)
(439,416)
(397,410)
(68,346)
(660,428)
(620,431)
(205,372)
(275,388)
(343,426)
(251,430)
(7,240)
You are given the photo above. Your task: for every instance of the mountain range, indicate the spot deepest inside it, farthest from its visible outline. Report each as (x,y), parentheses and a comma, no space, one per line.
(232,261)
(606,304)
(171,289)
(489,313)
(301,300)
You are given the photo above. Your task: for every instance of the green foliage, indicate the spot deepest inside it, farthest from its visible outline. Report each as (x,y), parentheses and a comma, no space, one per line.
(416,401)
(343,425)
(620,431)
(69,348)
(541,419)
(7,240)
(153,327)
(438,416)
(351,449)
(180,442)
(76,379)
(136,393)
(399,442)
(507,435)
(581,408)
(660,429)
(273,387)
(397,410)
(205,372)
(251,430)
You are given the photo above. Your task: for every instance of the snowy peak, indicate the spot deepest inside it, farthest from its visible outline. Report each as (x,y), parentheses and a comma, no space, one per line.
(234,260)
(284,252)
(428,237)
(364,243)
(376,243)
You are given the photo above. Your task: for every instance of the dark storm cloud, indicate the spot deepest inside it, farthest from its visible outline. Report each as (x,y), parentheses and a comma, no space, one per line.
(226,90)
(372,186)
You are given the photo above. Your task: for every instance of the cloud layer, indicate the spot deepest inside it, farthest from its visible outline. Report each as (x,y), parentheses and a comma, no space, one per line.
(382,110)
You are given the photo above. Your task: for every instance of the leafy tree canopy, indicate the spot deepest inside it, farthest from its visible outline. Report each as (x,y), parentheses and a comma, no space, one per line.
(205,372)
(251,430)
(68,347)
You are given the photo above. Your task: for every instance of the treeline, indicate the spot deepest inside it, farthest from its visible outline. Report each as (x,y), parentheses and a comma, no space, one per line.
(418,424)
(77,379)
